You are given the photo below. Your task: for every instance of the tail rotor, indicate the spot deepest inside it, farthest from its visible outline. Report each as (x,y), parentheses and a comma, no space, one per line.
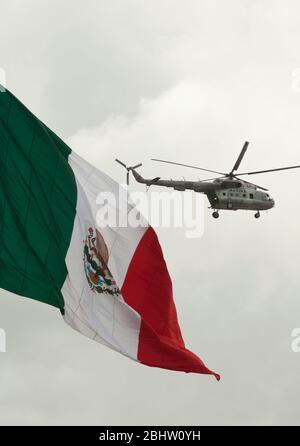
(128,168)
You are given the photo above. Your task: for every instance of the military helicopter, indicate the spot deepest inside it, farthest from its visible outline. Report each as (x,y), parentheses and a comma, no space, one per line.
(227,191)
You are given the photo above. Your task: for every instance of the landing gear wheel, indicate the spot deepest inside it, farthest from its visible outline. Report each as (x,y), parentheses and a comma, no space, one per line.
(257,215)
(215,214)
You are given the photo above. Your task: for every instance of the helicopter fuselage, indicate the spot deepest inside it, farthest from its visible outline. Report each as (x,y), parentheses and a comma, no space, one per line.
(246,197)
(224,194)
(230,194)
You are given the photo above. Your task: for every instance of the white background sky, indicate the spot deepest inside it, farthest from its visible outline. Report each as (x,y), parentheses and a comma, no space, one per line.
(188,81)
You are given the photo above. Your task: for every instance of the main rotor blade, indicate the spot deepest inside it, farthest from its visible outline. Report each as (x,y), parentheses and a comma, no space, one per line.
(187,165)
(211,179)
(241,156)
(244,181)
(269,170)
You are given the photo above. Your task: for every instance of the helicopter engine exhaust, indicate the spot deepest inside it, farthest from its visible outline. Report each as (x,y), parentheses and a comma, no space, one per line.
(231,184)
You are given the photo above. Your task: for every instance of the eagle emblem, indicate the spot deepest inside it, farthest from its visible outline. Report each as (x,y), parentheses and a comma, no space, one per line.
(95,260)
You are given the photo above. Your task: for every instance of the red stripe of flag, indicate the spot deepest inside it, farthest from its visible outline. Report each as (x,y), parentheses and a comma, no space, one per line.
(148,290)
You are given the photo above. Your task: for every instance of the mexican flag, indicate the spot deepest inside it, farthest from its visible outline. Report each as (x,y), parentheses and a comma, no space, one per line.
(110,283)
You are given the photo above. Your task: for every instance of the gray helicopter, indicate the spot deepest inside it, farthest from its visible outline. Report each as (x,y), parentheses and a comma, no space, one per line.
(227,191)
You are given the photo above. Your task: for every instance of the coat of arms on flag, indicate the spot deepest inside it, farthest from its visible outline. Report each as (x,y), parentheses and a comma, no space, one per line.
(95,260)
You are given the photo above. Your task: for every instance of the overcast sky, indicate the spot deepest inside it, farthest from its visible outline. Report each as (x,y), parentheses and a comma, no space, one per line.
(188,81)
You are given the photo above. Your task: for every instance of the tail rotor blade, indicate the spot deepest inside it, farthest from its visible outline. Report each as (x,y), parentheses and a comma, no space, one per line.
(120,162)
(127,178)
(138,165)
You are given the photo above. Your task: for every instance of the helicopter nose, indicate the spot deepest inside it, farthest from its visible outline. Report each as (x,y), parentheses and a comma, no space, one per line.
(272,202)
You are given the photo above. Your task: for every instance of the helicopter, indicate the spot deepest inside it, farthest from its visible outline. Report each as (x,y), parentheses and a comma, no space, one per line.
(225,192)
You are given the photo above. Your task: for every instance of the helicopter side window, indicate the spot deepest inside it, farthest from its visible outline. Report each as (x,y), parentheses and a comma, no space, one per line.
(244,195)
(251,196)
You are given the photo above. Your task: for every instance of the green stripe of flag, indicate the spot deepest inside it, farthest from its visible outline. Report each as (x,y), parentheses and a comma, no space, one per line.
(37,204)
